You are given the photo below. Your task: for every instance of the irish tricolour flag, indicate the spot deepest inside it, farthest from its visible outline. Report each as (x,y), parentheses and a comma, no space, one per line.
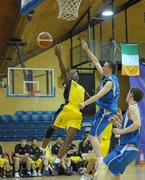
(130,60)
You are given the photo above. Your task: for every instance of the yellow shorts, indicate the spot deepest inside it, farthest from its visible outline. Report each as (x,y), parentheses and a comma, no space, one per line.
(76,158)
(2,162)
(105,146)
(51,159)
(37,163)
(68,116)
(105,139)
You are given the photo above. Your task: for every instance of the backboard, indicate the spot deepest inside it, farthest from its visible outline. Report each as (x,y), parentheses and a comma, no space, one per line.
(27,82)
(28,5)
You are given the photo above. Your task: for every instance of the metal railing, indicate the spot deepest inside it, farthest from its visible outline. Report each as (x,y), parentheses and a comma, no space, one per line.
(103,50)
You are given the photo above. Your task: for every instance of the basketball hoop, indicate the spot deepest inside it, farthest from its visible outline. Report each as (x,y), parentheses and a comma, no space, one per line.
(34,95)
(68,9)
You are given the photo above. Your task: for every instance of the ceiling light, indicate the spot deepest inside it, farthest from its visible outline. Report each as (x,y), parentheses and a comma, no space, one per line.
(107,12)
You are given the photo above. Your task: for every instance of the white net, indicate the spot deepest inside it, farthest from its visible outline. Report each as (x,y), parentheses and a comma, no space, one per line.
(68,9)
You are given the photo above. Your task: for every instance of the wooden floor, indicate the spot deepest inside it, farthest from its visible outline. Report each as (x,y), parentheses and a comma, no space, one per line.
(132,173)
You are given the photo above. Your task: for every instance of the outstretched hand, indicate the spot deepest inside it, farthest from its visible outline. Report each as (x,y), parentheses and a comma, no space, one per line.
(81,106)
(115,121)
(84,45)
(57,50)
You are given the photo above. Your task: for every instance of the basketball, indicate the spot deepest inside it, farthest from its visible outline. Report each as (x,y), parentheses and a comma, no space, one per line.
(44,40)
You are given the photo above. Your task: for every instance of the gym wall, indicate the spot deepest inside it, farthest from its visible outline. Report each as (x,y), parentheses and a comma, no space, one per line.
(48,60)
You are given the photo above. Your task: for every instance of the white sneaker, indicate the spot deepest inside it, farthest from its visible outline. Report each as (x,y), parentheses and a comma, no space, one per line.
(39,174)
(17,175)
(34,173)
(29,173)
(85,177)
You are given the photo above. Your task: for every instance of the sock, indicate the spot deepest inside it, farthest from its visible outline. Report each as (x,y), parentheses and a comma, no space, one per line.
(100,161)
(45,162)
(46,168)
(39,170)
(68,164)
(85,174)
(65,167)
(95,166)
(28,172)
(57,160)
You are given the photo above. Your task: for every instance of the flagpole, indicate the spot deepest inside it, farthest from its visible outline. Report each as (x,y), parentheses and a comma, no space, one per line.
(115,47)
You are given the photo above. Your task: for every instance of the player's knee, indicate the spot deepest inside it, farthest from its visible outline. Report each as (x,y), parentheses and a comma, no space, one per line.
(49,132)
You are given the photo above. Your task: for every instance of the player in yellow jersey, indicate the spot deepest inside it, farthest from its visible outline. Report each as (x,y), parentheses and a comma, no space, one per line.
(68,116)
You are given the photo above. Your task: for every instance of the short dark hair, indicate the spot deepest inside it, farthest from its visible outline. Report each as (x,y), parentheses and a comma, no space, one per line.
(137,94)
(33,139)
(113,66)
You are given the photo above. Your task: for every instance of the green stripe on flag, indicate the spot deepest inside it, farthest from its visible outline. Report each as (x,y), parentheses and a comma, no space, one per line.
(129,49)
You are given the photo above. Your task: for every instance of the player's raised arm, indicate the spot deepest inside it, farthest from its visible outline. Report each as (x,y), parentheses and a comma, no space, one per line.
(108,86)
(93,58)
(58,50)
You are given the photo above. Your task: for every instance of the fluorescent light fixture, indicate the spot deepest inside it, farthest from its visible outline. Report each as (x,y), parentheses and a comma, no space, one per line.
(107,12)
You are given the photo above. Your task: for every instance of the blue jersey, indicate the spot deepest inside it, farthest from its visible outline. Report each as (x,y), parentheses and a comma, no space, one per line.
(132,137)
(110,100)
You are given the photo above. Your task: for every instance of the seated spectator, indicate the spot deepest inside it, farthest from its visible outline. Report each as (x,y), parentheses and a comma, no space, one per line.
(85,151)
(72,151)
(47,161)
(76,160)
(4,163)
(55,148)
(34,149)
(65,167)
(84,146)
(22,156)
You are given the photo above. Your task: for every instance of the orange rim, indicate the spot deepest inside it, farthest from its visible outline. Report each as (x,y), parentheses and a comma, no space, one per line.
(33,92)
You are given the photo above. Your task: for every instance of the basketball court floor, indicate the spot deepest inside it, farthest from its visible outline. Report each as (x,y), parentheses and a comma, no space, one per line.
(132,173)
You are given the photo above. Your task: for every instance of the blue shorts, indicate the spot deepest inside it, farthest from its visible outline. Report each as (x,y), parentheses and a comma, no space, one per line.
(120,158)
(101,122)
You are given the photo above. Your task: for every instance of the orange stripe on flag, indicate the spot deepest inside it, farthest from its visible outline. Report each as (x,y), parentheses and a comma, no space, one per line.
(130,70)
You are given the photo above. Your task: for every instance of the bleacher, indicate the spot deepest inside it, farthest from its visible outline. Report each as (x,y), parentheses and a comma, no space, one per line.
(29,124)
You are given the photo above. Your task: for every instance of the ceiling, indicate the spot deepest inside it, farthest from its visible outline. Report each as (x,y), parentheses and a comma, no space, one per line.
(12,25)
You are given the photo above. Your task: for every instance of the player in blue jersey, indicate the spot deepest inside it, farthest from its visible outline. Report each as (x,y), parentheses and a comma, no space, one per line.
(106,98)
(117,160)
